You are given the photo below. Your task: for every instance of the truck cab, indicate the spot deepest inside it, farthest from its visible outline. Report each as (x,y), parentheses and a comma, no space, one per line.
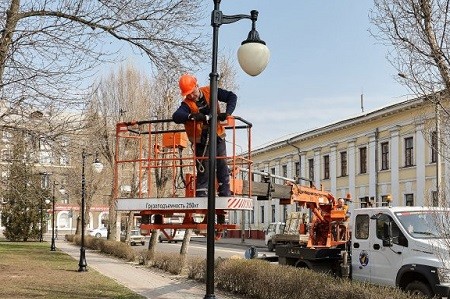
(400,246)
(273,229)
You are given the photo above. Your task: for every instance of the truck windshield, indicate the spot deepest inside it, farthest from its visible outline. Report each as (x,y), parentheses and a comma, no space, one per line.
(423,224)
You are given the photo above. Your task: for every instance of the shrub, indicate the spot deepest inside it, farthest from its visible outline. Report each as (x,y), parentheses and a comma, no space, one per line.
(259,279)
(196,269)
(251,278)
(69,238)
(145,257)
(169,262)
(118,249)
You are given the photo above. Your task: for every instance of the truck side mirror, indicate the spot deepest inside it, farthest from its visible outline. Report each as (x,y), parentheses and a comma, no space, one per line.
(387,234)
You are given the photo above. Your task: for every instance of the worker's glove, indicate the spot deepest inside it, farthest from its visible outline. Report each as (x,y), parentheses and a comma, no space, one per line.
(197,117)
(222,116)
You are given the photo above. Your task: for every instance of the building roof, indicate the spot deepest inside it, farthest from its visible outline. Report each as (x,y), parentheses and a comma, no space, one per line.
(341,124)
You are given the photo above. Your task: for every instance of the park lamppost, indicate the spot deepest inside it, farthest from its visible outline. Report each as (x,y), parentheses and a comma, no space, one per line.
(41,231)
(41,210)
(98,167)
(253,56)
(62,191)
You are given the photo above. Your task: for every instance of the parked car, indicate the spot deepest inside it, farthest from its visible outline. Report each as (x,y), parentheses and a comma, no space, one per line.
(135,237)
(179,235)
(100,232)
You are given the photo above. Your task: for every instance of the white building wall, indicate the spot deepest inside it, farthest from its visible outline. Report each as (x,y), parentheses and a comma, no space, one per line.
(351,160)
(372,167)
(333,168)
(317,176)
(394,166)
(420,192)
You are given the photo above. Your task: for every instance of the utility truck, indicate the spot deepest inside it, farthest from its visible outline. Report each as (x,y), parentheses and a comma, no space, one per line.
(395,246)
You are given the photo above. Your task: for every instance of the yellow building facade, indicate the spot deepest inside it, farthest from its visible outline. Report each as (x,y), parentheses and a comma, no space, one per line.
(386,154)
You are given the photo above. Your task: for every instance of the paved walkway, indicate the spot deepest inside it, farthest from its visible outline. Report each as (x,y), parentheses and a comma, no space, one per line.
(146,281)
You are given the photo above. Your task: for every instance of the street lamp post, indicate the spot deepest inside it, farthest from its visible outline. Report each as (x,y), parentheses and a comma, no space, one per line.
(41,233)
(53,246)
(253,56)
(98,168)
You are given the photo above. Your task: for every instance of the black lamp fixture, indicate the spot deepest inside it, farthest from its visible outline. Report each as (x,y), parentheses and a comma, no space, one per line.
(253,56)
(98,167)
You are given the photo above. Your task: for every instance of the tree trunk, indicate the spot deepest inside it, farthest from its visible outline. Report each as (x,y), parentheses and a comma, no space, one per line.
(186,240)
(152,241)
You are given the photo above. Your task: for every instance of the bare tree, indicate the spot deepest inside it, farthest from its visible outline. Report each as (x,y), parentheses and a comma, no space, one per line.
(48,48)
(417,33)
(417,30)
(128,95)
(228,72)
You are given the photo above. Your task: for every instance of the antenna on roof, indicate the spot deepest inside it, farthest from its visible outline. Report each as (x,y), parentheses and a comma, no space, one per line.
(362,102)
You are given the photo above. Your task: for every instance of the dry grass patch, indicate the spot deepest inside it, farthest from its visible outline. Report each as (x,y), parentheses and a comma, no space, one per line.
(30,270)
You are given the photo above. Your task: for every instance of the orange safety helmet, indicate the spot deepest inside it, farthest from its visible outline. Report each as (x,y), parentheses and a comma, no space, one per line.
(187,84)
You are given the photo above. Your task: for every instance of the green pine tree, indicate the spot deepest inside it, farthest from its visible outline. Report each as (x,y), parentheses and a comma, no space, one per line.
(25,209)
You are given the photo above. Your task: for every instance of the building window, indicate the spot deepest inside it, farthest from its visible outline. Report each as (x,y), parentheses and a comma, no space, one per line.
(385,156)
(434,151)
(311,169)
(434,198)
(284,213)
(45,180)
(409,199)
(409,147)
(272,171)
(297,169)
(343,163)
(385,200)
(262,215)
(252,216)
(364,202)
(273,213)
(363,160)
(263,177)
(65,198)
(326,167)
(284,171)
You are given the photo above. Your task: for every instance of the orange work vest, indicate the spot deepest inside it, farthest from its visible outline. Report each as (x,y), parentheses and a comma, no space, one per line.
(196,128)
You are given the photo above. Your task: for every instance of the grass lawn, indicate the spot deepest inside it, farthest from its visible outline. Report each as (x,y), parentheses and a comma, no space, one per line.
(31,270)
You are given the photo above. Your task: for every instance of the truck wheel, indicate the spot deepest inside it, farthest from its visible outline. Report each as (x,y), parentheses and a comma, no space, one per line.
(270,246)
(419,288)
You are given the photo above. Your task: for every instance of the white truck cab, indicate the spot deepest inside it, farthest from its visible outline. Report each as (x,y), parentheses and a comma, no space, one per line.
(273,229)
(400,246)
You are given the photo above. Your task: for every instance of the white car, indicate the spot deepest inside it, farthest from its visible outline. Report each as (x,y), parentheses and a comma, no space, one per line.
(135,237)
(179,236)
(100,232)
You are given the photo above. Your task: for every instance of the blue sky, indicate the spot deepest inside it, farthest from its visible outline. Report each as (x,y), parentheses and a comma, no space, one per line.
(322,59)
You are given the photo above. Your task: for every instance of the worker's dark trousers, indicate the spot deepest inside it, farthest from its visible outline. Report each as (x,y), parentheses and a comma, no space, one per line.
(223,176)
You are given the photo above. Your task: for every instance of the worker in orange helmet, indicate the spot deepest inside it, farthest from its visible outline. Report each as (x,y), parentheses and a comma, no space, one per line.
(194,112)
